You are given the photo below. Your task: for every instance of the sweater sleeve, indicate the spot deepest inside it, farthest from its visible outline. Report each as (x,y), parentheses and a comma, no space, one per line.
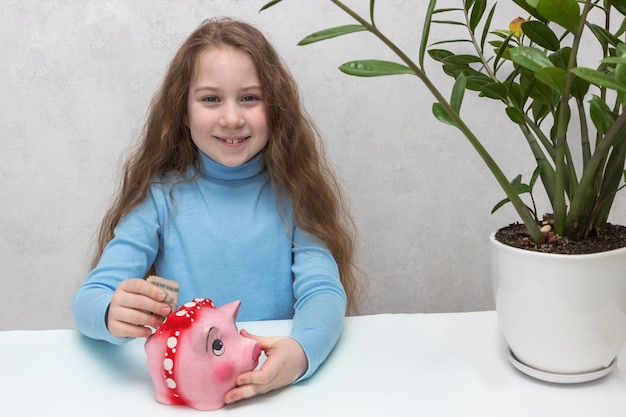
(128,255)
(320,300)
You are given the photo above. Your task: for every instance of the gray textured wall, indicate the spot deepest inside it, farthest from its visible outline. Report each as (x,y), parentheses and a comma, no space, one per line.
(76,77)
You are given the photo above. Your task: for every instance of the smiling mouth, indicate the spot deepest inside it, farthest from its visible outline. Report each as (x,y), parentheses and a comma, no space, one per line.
(233,141)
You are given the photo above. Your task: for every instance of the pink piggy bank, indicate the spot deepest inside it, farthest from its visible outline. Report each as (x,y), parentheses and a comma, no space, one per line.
(197,353)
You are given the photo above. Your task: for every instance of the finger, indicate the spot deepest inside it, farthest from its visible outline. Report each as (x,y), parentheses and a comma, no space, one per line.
(263,376)
(133,294)
(245,391)
(137,309)
(263,341)
(125,322)
(245,333)
(135,317)
(121,329)
(143,287)
(249,335)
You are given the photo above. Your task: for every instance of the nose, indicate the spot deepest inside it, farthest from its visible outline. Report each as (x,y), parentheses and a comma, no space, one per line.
(231,117)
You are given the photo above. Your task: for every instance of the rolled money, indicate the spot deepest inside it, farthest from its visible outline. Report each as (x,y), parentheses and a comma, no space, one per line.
(169,287)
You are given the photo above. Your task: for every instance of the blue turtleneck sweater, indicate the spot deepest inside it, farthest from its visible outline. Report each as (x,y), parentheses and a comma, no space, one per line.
(221,236)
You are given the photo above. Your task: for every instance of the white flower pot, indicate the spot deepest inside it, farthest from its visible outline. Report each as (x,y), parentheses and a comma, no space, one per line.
(560,314)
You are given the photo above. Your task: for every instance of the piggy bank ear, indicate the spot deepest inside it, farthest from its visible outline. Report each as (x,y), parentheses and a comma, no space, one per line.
(231,309)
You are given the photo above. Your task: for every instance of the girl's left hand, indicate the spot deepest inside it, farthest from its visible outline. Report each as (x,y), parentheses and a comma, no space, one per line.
(285,363)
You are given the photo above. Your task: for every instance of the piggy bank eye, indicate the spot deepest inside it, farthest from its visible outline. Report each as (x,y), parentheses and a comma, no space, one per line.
(214,342)
(218,347)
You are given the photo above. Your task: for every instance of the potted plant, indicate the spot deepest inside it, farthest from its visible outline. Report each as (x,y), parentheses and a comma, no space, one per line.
(562,324)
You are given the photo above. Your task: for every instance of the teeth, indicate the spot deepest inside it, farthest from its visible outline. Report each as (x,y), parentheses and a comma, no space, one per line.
(233,141)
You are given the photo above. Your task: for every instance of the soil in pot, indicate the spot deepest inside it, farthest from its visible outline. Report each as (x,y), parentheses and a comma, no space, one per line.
(516,235)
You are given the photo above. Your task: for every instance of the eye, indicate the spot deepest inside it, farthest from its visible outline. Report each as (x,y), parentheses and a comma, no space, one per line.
(249,98)
(218,347)
(214,342)
(210,99)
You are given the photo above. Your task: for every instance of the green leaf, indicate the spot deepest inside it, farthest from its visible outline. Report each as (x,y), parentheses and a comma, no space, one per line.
(449,22)
(620,76)
(454,70)
(541,92)
(476,80)
(451,41)
(561,57)
(501,33)
(446,10)
(439,54)
(426,31)
(533,178)
(270,4)
(580,88)
(620,5)
(458,92)
(494,90)
(461,59)
(502,51)
(553,77)
(477,13)
(528,57)
(372,12)
(331,33)
(518,187)
(530,7)
(541,34)
(487,26)
(539,110)
(374,68)
(603,35)
(441,115)
(614,60)
(516,94)
(500,204)
(565,13)
(598,78)
(600,114)
(515,115)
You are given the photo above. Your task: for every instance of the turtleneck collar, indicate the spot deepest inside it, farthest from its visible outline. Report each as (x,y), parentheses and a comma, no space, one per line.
(217,171)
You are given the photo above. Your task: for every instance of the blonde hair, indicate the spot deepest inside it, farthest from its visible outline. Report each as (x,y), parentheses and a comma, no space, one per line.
(294,155)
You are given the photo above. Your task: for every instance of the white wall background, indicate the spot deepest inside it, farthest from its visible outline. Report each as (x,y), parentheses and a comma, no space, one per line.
(76,77)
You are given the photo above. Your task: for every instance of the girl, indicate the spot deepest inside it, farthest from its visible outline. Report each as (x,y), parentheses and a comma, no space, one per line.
(229,194)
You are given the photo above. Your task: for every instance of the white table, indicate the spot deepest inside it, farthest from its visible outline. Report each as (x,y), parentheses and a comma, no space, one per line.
(384,365)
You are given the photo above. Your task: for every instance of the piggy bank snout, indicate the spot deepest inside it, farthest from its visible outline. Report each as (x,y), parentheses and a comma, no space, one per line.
(256,352)
(251,352)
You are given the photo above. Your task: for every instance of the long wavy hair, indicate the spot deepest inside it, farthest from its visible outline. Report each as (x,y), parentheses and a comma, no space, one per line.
(294,155)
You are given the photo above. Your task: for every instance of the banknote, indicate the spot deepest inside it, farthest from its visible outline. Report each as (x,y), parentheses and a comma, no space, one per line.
(170,288)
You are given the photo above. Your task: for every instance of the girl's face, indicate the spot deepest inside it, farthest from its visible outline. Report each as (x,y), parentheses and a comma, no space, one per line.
(225,110)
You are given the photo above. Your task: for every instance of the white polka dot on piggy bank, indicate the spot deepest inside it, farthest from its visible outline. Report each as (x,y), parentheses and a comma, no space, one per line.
(197,353)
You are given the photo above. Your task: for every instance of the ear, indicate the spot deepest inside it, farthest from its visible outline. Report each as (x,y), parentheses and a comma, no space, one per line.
(231,309)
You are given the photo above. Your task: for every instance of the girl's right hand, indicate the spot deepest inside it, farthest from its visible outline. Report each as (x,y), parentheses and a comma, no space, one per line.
(130,308)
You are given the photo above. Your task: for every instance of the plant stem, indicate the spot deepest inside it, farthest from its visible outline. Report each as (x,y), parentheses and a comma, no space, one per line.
(504,183)
(560,206)
(476,46)
(584,199)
